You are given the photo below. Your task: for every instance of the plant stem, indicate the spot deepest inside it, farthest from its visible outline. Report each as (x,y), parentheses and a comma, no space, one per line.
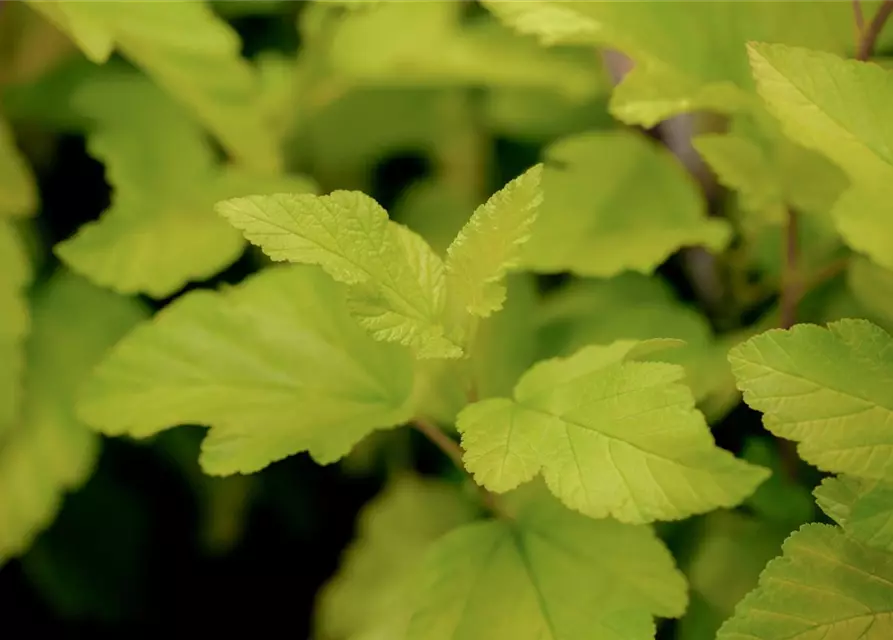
(870,34)
(859,17)
(790,281)
(454,452)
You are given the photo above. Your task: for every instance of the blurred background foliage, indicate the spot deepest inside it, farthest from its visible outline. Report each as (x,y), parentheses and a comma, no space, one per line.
(429,107)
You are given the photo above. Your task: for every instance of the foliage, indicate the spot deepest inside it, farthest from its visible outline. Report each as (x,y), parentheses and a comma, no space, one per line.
(591,299)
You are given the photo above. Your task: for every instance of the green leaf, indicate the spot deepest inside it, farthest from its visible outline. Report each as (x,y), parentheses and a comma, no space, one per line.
(434,210)
(161,230)
(634,307)
(611,436)
(429,44)
(489,245)
(826,585)
(539,116)
(398,285)
(370,598)
(18,192)
(864,508)
(344,132)
(780,498)
(740,164)
(190,52)
(827,389)
(872,286)
(273,366)
(731,550)
(836,107)
(48,451)
(548,573)
(603,227)
(15,274)
(505,344)
(688,57)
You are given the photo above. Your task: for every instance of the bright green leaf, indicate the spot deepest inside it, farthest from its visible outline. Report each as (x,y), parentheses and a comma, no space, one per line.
(48,451)
(864,508)
(274,366)
(15,274)
(599,219)
(827,389)
(837,107)
(161,230)
(824,586)
(549,573)
(18,193)
(190,52)
(370,598)
(489,245)
(398,288)
(610,435)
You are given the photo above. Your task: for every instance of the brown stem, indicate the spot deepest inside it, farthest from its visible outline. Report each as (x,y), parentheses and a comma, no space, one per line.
(859,18)
(454,452)
(871,33)
(790,285)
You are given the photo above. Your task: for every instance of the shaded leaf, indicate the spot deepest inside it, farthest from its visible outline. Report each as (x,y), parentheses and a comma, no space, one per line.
(602,227)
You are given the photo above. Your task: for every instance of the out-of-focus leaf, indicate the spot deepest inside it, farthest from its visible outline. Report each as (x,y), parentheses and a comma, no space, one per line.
(48,451)
(370,598)
(731,551)
(190,52)
(780,498)
(631,306)
(689,56)
(602,227)
(18,192)
(161,230)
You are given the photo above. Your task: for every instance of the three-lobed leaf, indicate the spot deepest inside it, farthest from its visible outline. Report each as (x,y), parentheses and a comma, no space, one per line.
(825,585)
(400,290)
(611,436)
(827,389)
(273,366)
